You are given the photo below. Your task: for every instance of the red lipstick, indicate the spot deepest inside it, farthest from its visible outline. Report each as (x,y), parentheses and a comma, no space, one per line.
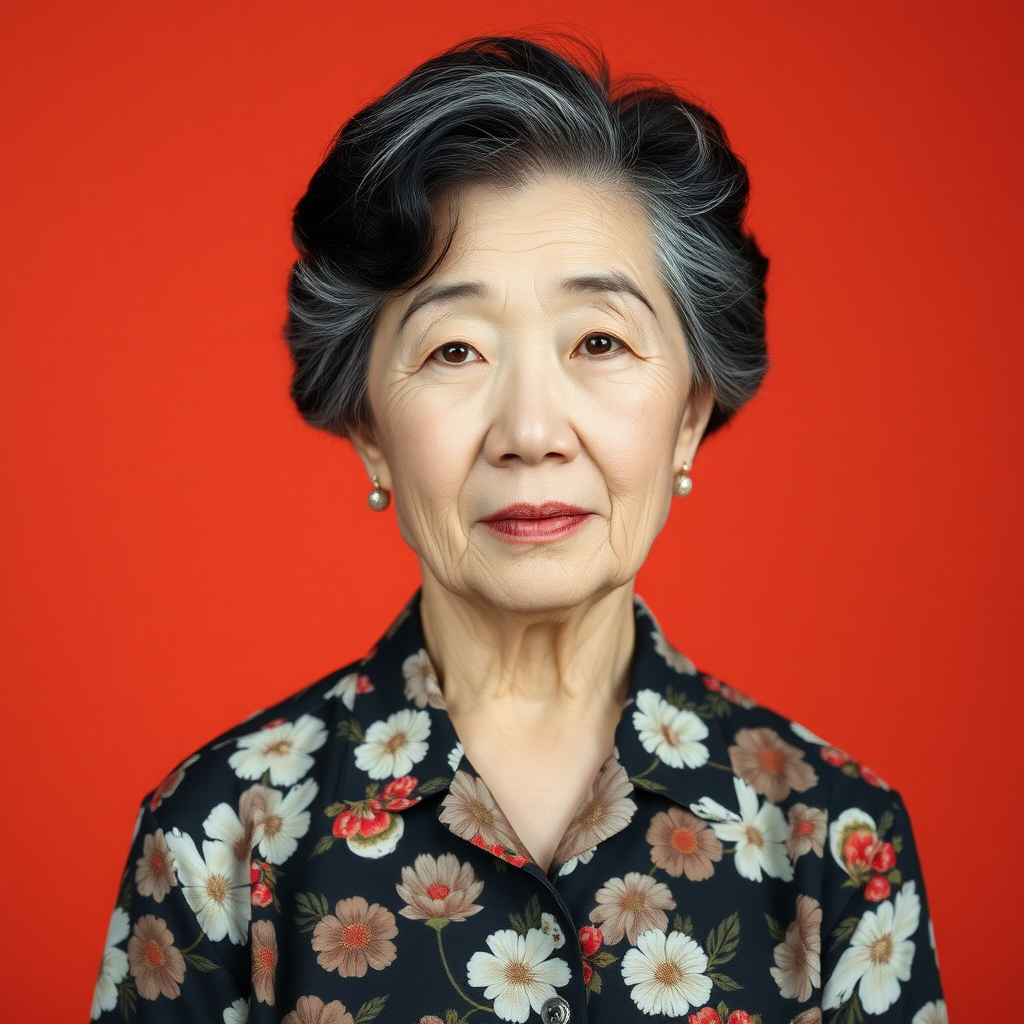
(523,523)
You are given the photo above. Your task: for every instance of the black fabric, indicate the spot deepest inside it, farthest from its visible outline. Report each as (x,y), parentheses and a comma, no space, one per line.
(273,877)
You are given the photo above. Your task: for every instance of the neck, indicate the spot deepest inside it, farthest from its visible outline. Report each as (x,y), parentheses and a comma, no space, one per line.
(485,655)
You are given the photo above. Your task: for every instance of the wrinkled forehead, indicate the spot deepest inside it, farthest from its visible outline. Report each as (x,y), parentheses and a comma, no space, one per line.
(548,236)
(510,216)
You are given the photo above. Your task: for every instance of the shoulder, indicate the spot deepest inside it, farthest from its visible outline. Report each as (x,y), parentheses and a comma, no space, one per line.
(278,746)
(834,805)
(778,755)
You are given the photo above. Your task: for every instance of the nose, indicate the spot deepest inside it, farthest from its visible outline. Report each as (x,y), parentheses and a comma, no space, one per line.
(531,418)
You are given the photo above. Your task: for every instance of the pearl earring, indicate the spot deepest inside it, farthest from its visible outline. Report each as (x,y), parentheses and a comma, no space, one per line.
(379,499)
(682,484)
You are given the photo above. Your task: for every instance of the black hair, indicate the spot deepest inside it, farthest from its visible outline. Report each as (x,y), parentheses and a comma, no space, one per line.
(498,109)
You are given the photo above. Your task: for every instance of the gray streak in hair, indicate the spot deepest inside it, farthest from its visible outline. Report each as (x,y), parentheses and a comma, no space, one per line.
(499,110)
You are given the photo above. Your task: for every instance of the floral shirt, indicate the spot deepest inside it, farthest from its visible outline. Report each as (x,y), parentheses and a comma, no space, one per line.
(336,860)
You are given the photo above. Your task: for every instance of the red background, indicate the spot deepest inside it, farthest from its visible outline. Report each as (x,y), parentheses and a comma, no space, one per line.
(180,550)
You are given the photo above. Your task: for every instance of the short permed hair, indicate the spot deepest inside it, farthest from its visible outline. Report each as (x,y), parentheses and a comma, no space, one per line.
(499,109)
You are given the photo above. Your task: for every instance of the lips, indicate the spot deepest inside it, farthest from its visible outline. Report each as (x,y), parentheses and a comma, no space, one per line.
(525,523)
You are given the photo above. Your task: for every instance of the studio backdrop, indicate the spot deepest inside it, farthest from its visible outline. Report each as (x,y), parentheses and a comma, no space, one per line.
(179,549)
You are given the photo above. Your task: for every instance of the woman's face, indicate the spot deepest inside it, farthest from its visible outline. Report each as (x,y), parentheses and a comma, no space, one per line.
(532,398)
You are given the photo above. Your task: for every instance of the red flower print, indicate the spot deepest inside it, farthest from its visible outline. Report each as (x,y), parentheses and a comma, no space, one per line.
(261,879)
(590,939)
(348,823)
(859,848)
(399,787)
(345,825)
(705,1016)
(509,856)
(363,684)
(275,723)
(870,777)
(395,795)
(170,784)
(261,896)
(877,889)
(735,697)
(884,858)
(834,757)
(710,1016)
(731,695)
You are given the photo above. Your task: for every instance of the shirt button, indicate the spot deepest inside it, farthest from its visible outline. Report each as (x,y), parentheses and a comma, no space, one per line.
(555,1011)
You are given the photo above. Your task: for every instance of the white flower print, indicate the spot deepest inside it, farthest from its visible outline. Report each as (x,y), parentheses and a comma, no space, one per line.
(237,1013)
(347,687)
(673,658)
(393,746)
(267,819)
(380,844)
(282,750)
(712,810)
(517,973)
(240,829)
(668,732)
(455,757)
(667,973)
(421,685)
(932,1013)
(759,835)
(879,955)
(583,858)
(806,734)
(113,966)
(850,822)
(286,821)
(215,885)
(549,926)
(345,690)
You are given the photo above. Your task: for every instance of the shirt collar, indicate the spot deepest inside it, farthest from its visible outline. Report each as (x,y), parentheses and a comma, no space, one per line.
(670,740)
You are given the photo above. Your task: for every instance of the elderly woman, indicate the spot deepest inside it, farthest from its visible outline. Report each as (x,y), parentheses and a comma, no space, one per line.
(525,295)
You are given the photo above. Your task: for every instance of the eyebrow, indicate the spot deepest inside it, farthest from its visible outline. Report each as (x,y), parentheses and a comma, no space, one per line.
(441,293)
(603,284)
(610,283)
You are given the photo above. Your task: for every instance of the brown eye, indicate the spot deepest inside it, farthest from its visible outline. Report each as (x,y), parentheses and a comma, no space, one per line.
(599,345)
(455,352)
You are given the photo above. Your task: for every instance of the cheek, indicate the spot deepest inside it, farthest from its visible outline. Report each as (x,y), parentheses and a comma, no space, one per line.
(634,431)
(430,452)
(634,437)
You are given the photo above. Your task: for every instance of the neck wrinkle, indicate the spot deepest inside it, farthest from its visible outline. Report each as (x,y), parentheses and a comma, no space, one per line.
(575,657)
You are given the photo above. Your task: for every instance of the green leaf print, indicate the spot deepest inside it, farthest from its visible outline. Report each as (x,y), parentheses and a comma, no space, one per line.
(723,940)
(370,1009)
(312,909)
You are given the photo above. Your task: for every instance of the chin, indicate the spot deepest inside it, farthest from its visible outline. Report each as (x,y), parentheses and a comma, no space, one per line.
(545,591)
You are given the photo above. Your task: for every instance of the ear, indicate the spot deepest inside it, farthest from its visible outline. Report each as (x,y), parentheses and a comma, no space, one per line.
(691,430)
(364,439)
